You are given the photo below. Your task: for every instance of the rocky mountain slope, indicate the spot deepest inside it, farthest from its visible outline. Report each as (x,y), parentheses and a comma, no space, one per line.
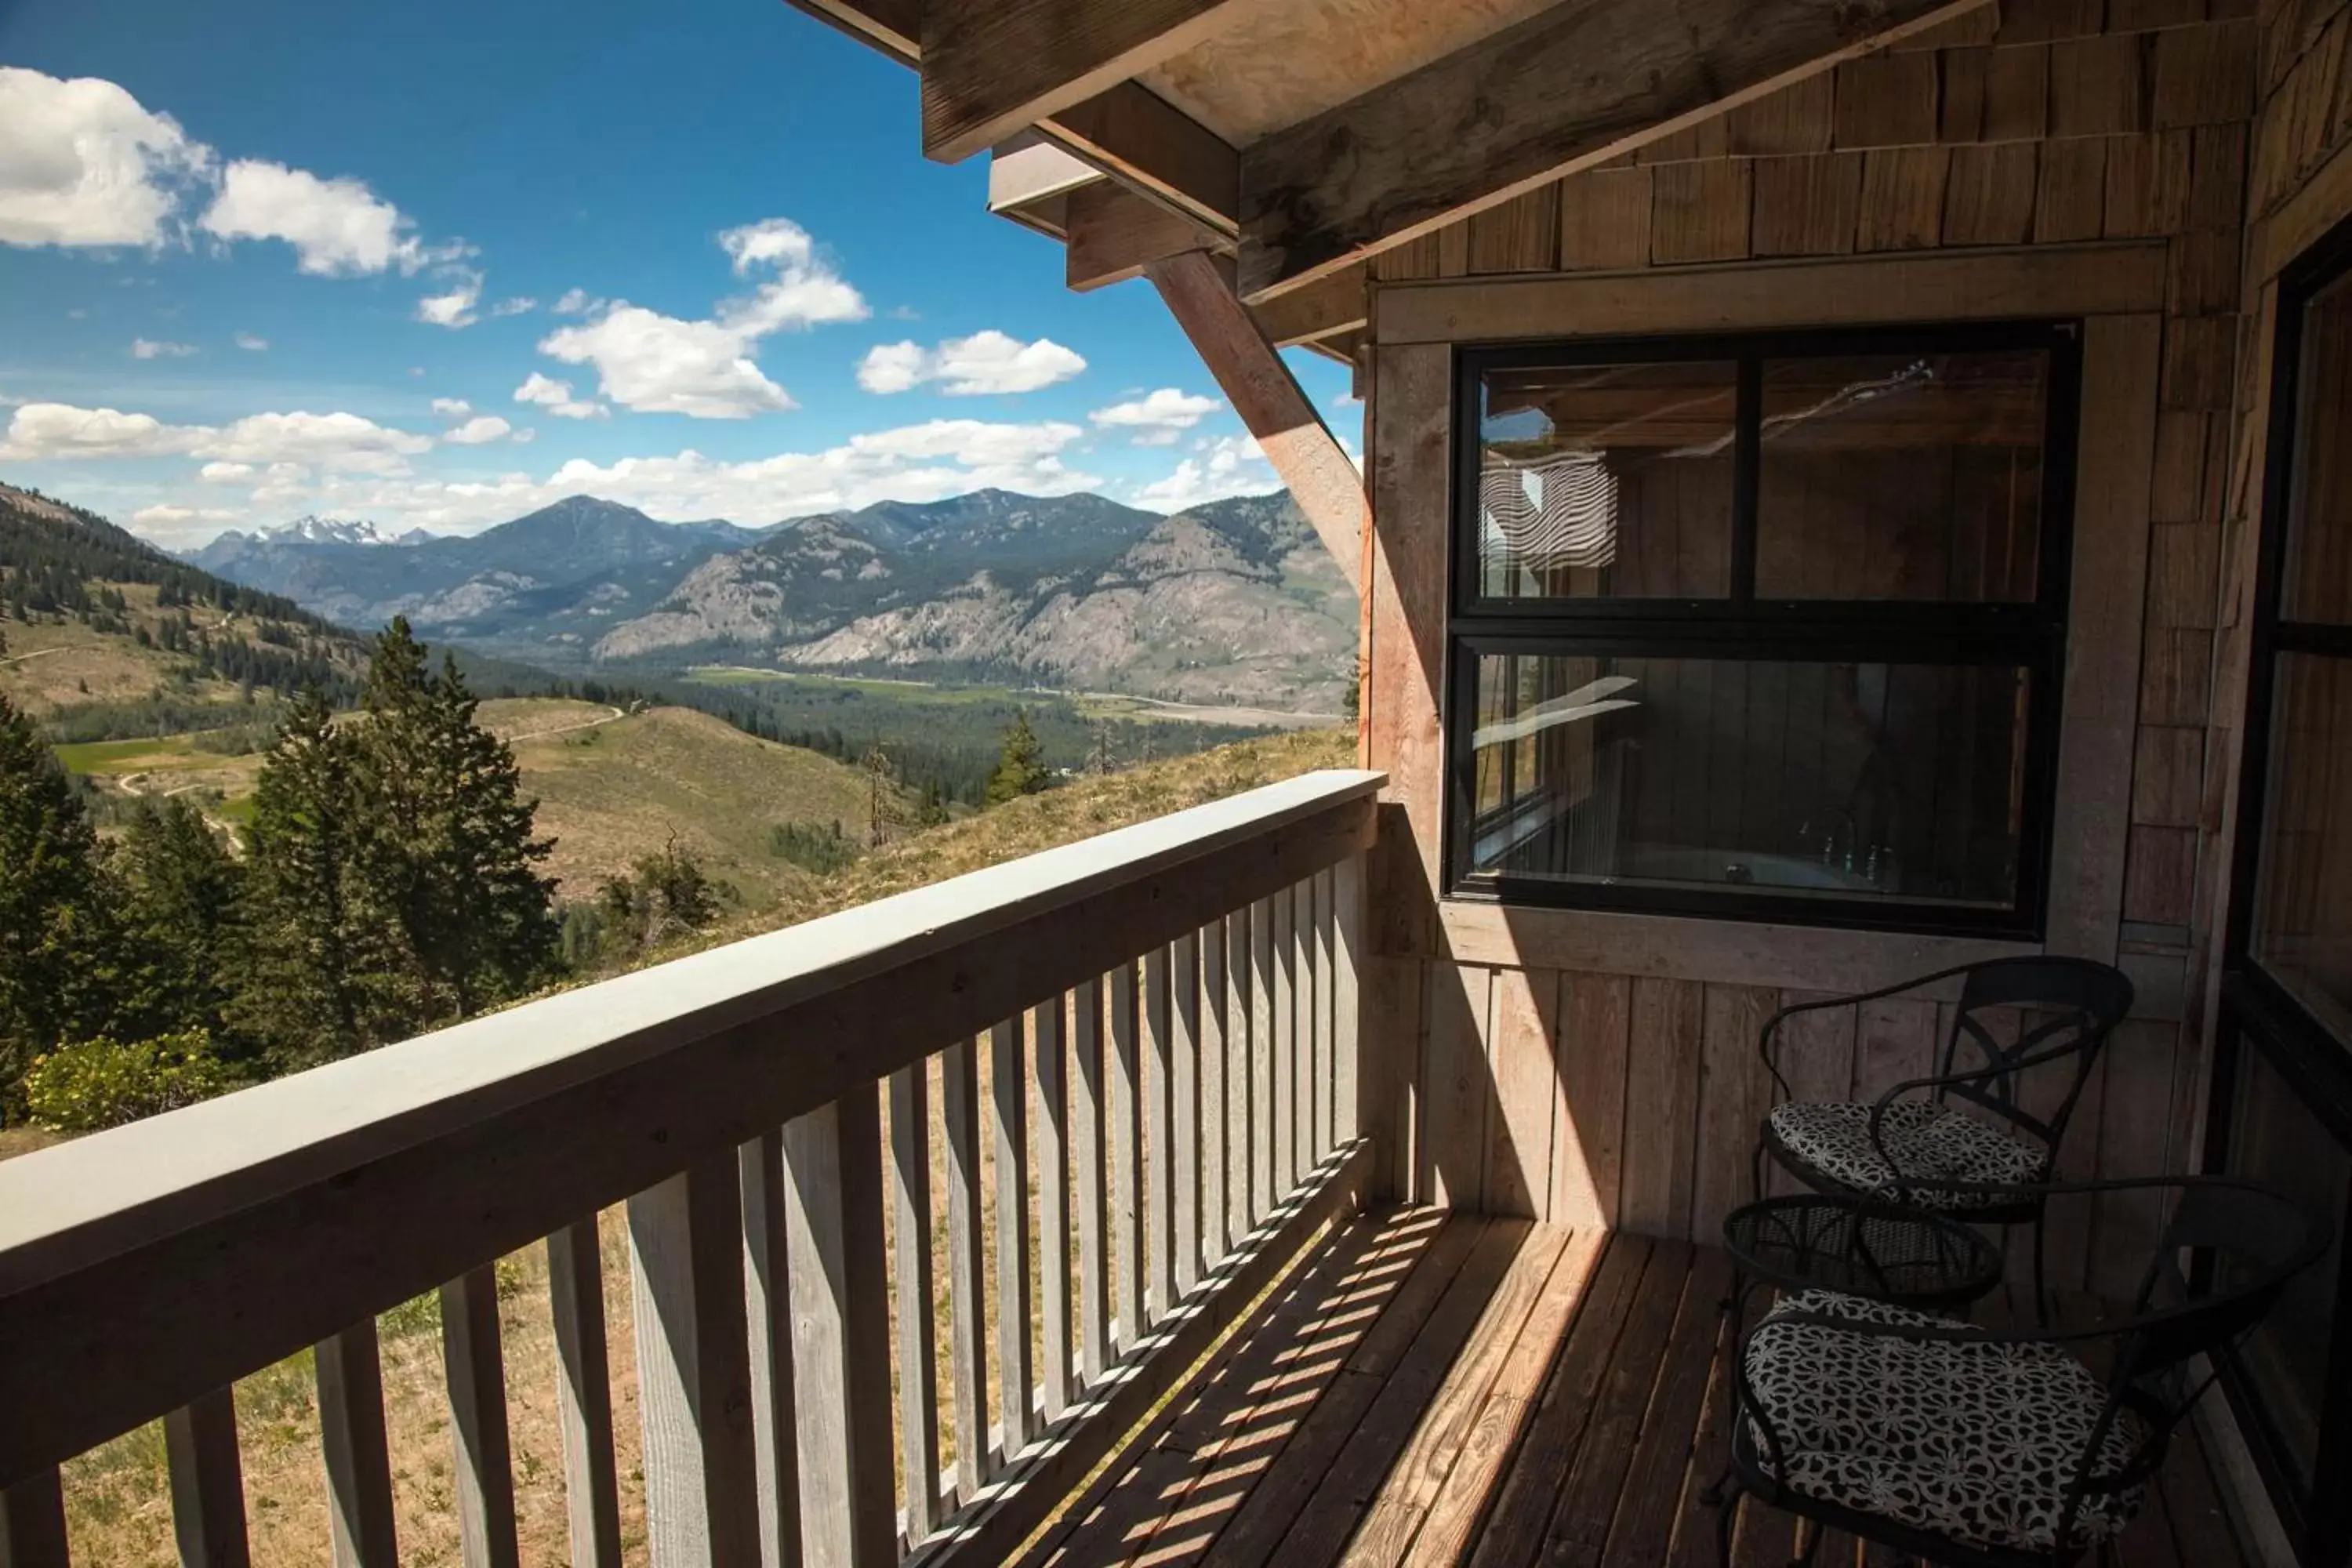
(1230,603)
(554,579)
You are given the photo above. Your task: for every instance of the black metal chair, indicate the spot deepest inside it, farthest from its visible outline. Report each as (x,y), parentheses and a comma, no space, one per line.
(1986,1164)
(1983,1449)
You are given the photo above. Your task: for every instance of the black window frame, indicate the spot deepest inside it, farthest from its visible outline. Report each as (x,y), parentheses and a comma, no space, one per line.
(2028,636)
(2258,1014)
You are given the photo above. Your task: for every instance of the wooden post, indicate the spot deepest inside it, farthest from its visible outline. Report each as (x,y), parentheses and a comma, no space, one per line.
(575,1281)
(1009,1122)
(1053,1202)
(1260,387)
(358,1466)
(694,1369)
(476,1371)
(768,1311)
(207,1489)
(1125,1062)
(841,1334)
(1244,1104)
(1274,978)
(1086,1140)
(33,1523)
(919,1381)
(967,1319)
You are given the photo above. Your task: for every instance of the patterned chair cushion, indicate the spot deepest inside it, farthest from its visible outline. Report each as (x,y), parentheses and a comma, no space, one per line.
(1926,1140)
(1974,1442)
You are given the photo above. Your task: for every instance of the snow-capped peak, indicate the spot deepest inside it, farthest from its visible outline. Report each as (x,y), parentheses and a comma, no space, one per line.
(327,531)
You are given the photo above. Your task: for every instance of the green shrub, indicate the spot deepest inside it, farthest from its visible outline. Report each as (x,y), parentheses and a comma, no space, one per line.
(104,1083)
(811,847)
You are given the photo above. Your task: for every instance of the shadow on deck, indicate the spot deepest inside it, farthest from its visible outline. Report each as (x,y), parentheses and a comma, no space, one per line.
(1426,1388)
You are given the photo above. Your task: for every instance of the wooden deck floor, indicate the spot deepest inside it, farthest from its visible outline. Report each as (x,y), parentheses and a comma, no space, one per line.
(1427,1389)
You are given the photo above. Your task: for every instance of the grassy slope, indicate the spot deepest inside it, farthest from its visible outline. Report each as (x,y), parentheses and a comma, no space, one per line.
(619,790)
(118,1497)
(51,664)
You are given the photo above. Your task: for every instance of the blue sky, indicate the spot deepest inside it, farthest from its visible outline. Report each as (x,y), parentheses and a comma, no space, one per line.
(435,265)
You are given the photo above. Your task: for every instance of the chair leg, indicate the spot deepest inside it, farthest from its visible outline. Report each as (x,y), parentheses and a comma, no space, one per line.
(1727,1511)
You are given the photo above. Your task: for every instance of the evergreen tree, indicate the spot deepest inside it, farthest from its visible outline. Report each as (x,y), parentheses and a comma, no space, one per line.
(182,892)
(57,932)
(316,940)
(1021,769)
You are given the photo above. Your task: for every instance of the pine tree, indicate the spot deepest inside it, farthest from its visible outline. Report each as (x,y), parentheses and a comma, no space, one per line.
(317,942)
(1021,769)
(182,893)
(57,930)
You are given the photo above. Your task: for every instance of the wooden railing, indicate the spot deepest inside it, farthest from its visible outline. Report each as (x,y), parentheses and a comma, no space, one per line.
(1167,1014)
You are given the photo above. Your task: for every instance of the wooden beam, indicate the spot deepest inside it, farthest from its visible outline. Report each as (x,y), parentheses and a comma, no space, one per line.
(1262,390)
(994,67)
(1029,169)
(1323,309)
(1114,235)
(893,26)
(1571,87)
(1133,134)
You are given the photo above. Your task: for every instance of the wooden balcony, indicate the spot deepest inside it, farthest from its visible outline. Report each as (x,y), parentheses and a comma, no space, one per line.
(795,1397)
(851,1341)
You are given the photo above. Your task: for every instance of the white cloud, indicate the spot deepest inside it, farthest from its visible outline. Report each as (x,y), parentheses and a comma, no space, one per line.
(225,473)
(148,348)
(1158,419)
(343,442)
(478,431)
(521,304)
(83,163)
(576,302)
(456,408)
(454,309)
(251,343)
(661,364)
(338,227)
(1229,466)
(40,430)
(987,361)
(555,397)
(164,517)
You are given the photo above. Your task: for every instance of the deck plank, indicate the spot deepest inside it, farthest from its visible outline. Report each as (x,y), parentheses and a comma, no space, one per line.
(1432,1387)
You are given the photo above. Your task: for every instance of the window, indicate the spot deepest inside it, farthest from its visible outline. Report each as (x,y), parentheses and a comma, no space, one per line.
(1767,626)
(2282,1107)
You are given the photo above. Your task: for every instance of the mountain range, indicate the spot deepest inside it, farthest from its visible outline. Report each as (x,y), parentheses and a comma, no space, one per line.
(1233,601)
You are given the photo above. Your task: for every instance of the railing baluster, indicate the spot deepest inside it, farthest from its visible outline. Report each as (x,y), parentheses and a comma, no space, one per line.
(1241,1084)
(1126,1135)
(475,1370)
(358,1466)
(841,1334)
(1213,1111)
(575,1281)
(1009,1120)
(32,1523)
(918,1378)
(1307,1036)
(1053,1202)
(1265,1055)
(207,1487)
(1184,1092)
(967,1350)
(1347,955)
(1087,1128)
(768,1308)
(694,1367)
(1158,1137)
(1326,1046)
